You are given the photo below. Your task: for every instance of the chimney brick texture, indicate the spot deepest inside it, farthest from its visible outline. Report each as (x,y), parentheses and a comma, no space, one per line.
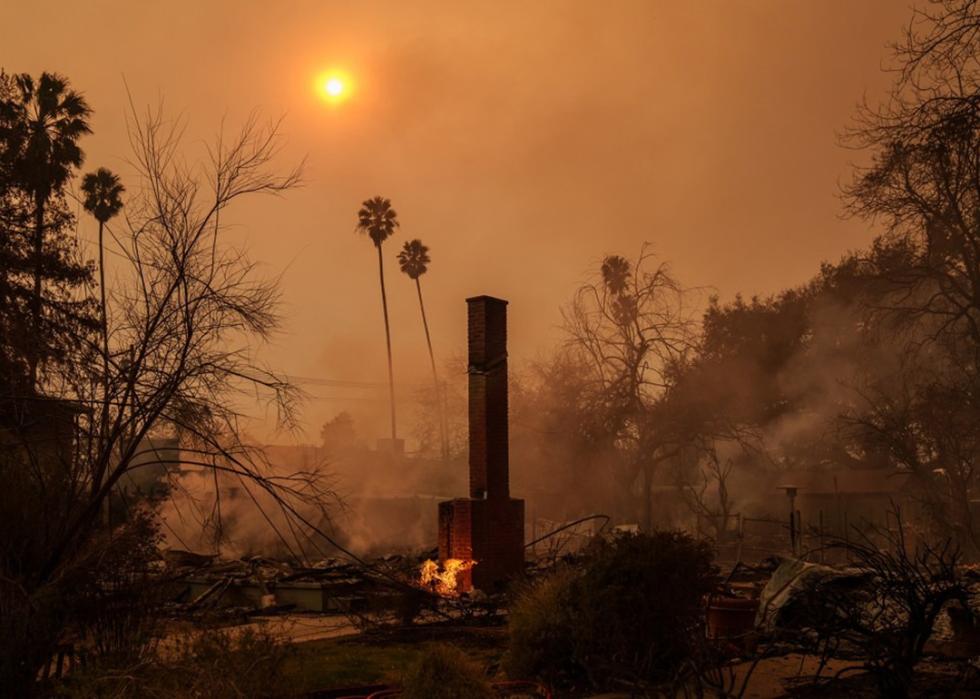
(488,407)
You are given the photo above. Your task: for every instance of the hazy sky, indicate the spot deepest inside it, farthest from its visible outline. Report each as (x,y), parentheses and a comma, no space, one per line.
(521,141)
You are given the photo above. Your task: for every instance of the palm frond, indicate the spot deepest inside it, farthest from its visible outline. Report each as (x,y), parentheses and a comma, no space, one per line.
(414,258)
(377,219)
(103,194)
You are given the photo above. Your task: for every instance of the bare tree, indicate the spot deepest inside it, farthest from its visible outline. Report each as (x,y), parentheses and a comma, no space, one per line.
(633,326)
(923,182)
(184,323)
(920,282)
(180,348)
(715,474)
(889,618)
(936,64)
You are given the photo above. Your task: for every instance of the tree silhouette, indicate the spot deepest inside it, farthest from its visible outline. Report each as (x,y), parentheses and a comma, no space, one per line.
(103,199)
(103,192)
(41,122)
(189,311)
(378,221)
(616,273)
(414,261)
(49,118)
(630,326)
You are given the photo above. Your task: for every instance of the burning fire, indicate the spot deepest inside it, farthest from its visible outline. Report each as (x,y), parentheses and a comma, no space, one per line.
(443,580)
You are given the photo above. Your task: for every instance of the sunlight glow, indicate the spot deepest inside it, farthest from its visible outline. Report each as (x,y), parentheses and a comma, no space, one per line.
(333,86)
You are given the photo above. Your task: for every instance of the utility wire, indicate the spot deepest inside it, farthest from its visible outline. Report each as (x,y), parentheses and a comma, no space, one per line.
(563,527)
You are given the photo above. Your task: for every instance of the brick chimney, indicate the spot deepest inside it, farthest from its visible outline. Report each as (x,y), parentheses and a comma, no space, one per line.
(489,458)
(487,527)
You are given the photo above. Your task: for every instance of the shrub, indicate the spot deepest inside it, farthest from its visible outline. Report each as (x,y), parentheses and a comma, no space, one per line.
(889,619)
(229,664)
(540,643)
(217,664)
(116,602)
(105,606)
(444,672)
(630,611)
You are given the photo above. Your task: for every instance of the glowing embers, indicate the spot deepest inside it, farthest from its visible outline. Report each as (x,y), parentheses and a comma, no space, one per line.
(443,579)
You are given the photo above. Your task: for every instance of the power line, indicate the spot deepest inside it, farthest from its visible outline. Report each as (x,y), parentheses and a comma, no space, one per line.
(342,383)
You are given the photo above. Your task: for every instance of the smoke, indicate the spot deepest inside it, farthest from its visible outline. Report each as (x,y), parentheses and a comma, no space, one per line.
(802,408)
(374,502)
(215,511)
(790,392)
(387,503)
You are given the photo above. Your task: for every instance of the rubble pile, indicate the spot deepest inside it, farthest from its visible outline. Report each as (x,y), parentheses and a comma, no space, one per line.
(266,585)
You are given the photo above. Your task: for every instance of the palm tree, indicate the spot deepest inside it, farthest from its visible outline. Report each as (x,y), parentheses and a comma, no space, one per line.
(378,220)
(103,192)
(51,119)
(414,261)
(616,273)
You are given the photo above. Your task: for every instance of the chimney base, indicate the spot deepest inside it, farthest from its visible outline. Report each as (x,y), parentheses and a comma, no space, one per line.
(490,532)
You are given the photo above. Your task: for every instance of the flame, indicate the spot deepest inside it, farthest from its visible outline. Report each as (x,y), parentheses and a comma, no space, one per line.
(443,579)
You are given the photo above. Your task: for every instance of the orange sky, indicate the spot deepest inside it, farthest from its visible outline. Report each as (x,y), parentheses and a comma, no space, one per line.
(521,141)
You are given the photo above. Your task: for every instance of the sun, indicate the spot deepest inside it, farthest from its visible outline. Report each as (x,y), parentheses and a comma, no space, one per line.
(334,86)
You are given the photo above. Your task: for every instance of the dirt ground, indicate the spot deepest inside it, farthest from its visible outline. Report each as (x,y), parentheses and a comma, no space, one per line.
(790,676)
(774,677)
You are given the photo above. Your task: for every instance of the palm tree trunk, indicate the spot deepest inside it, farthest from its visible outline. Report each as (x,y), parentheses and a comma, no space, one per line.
(103,427)
(435,376)
(391,374)
(105,320)
(35,351)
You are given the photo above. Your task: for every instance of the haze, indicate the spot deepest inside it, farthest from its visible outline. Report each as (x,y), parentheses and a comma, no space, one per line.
(520,141)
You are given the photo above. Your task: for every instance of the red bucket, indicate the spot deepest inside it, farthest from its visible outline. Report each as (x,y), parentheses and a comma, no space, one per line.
(730,617)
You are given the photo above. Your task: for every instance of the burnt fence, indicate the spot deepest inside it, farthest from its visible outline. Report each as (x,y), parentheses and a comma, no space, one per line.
(824,539)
